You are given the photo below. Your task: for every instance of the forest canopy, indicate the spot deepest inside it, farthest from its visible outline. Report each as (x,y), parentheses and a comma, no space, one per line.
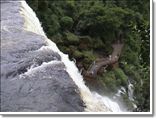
(87,29)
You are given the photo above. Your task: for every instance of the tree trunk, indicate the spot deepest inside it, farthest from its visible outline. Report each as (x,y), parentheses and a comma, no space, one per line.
(99,63)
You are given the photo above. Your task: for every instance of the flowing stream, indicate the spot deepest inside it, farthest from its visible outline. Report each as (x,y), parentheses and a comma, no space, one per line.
(93,101)
(130,91)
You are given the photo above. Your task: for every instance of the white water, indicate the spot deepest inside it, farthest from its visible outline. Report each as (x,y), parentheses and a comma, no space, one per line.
(93,101)
(131,94)
(108,102)
(130,91)
(120,91)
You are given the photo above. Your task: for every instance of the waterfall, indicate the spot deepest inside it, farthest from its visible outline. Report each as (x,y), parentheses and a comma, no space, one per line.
(120,91)
(130,91)
(108,102)
(93,101)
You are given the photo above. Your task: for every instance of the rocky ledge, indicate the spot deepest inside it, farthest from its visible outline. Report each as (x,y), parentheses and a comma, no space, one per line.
(33,77)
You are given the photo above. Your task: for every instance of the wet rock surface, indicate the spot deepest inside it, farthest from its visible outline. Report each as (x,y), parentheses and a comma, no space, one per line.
(33,77)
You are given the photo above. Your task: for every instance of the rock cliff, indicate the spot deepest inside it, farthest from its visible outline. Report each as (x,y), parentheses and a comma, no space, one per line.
(33,77)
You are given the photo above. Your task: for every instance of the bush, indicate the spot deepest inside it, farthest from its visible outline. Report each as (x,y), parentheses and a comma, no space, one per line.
(85,43)
(88,58)
(66,23)
(130,55)
(98,43)
(109,80)
(121,77)
(71,38)
(77,54)
(65,49)
(58,39)
(132,72)
(89,55)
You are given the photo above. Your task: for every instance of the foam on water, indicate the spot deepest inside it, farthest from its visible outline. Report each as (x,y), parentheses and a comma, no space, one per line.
(32,70)
(130,91)
(31,21)
(92,100)
(108,102)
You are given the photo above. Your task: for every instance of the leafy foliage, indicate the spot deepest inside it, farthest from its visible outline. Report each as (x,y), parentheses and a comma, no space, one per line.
(86,31)
(120,75)
(66,23)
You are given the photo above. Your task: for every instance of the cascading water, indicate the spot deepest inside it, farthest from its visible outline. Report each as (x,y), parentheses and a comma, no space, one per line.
(108,102)
(130,91)
(92,100)
(120,91)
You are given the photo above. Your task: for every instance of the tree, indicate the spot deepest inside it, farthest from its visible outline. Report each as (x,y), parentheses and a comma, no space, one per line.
(66,23)
(86,30)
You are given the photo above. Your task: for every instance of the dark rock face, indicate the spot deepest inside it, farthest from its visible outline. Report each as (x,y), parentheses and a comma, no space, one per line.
(33,77)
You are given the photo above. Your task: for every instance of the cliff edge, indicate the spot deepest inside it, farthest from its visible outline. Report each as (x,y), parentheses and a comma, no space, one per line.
(33,76)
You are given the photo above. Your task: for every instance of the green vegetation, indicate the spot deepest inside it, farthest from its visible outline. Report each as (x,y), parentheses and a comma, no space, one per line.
(66,23)
(71,38)
(109,79)
(86,30)
(121,77)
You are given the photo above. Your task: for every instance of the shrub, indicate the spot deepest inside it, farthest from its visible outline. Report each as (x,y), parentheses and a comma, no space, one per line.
(110,81)
(120,75)
(89,55)
(66,23)
(77,54)
(71,38)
